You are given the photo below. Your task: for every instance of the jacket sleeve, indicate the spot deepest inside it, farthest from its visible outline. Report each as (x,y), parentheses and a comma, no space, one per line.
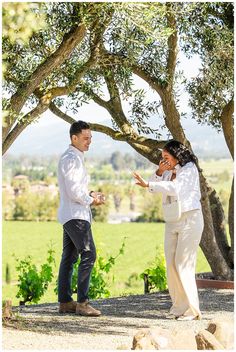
(72,170)
(155,178)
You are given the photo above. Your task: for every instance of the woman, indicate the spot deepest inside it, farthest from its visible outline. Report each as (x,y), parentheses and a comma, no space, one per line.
(177,178)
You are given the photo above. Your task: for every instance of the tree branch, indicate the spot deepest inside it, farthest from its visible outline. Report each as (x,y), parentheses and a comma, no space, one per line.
(110,59)
(152,81)
(113,91)
(97,99)
(172,117)
(146,146)
(25,121)
(45,100)
(69,42)
(115,107)
(116,135)
(56,111)
(172,46)
(59,91)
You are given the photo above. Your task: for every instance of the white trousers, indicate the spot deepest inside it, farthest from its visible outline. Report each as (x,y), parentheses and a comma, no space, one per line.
(181,243)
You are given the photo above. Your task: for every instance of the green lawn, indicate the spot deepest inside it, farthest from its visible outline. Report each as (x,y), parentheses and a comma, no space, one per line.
(33,238)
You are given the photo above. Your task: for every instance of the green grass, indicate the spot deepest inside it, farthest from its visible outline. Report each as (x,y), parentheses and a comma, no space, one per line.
(33,238)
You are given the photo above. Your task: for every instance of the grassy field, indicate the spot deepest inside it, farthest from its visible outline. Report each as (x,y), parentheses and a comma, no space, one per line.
(215,167)
(33,238)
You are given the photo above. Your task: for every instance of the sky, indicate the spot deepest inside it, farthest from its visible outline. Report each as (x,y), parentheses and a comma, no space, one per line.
(94,113)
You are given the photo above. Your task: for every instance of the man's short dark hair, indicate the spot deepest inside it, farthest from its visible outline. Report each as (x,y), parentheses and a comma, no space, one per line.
(78,126)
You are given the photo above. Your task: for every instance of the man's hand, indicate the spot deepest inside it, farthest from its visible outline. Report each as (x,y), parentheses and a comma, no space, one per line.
(139,180)
(99,198)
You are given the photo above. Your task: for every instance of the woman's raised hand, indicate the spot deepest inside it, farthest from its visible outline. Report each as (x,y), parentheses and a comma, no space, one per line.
(139,180)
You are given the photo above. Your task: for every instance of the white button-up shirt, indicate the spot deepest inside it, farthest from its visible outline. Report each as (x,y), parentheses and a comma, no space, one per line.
(185,186)
(73,186)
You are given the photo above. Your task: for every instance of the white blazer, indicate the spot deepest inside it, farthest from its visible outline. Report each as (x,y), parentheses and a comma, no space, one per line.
(185,186)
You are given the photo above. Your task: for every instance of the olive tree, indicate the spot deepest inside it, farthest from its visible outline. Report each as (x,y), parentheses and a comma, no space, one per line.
(212,93)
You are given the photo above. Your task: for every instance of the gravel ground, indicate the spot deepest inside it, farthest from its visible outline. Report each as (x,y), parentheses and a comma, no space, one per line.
(41,327)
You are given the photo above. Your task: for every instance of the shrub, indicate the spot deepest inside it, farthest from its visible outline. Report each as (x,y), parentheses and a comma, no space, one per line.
(105,172)
(7,206)
(32,283)
(156,273)
(8,275)
(46,208)
(98,281)
(100,213)
(25,206)
(35,207)
(152,209)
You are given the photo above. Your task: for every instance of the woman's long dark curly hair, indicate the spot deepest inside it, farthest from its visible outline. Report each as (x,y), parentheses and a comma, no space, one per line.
(180,152)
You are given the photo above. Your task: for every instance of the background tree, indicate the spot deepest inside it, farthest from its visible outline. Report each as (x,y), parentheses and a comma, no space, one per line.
(93,50)
(117,161)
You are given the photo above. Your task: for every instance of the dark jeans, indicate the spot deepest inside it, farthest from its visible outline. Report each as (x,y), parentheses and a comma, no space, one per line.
(77,239)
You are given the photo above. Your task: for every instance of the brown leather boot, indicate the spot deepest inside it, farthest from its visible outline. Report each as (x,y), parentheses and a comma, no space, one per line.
(68,307)
(86,310)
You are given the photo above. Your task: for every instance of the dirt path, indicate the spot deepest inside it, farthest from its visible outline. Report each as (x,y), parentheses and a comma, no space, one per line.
(42,327)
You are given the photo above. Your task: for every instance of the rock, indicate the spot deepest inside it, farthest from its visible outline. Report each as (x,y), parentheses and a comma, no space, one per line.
(206,341)
(164,339)
(123,347)
(7,309)
(184,339)
(143,343)
(153,339)
(223,330)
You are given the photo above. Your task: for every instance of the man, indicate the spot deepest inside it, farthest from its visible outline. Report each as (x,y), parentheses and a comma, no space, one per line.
(75,215)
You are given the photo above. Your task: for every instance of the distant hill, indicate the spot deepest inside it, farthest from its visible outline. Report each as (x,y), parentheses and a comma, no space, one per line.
(50,136)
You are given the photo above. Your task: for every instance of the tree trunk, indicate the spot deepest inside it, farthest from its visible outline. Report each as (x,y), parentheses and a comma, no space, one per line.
(231,222)
(219,223)
(208,242)
(228,125)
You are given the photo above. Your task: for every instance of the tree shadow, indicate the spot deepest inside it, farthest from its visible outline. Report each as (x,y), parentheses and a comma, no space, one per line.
(119,314)
(216,300)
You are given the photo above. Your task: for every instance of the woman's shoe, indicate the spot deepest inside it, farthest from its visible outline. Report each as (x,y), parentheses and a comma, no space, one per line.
(188,317)
(171,316)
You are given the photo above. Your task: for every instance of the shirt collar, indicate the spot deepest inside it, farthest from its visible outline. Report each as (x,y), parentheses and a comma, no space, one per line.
(177,167)
(76,151)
